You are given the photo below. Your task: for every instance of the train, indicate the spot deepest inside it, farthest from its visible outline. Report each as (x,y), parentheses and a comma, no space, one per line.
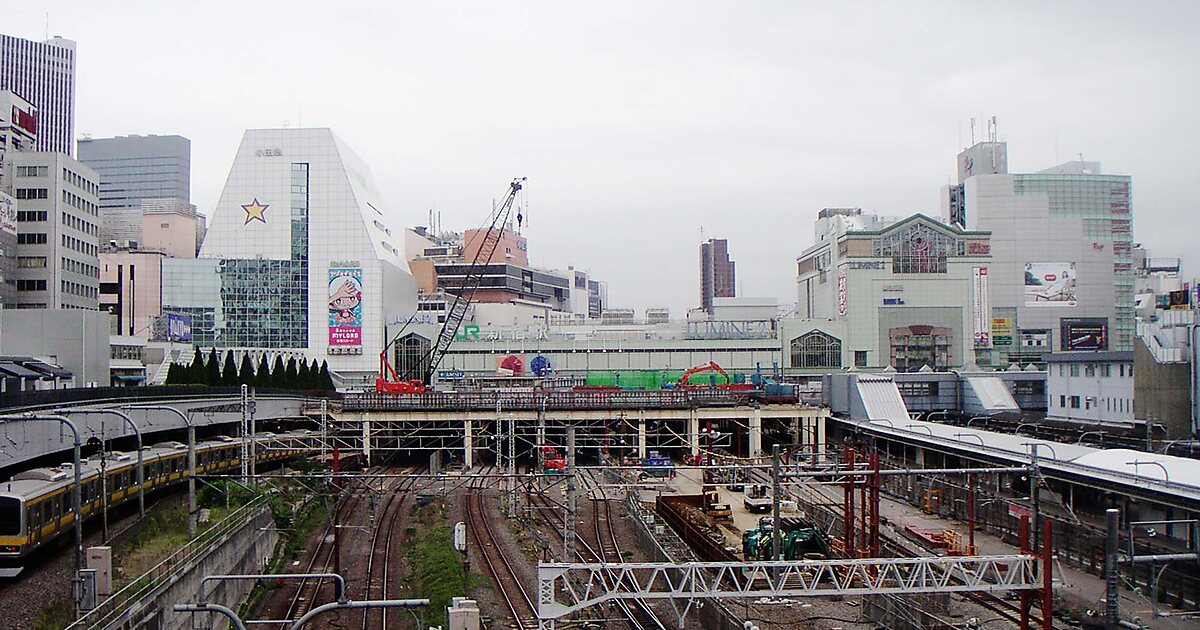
(36,505)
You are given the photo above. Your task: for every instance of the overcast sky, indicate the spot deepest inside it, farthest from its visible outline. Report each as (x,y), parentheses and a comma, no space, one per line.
(639,124)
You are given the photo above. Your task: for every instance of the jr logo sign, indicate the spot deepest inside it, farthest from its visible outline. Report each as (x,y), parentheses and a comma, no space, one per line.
(468,331)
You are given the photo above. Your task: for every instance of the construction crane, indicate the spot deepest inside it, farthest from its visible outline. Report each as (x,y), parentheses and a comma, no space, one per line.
(418,377)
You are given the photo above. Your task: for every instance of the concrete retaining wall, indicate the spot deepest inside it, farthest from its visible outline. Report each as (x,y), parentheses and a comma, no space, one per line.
(246,549)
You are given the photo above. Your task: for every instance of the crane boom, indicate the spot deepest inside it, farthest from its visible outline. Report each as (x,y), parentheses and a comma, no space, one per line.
(419,376)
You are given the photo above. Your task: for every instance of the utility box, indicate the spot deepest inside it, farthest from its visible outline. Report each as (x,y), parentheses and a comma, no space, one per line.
(462,614)
(99,559)
(460,536)
(85,589)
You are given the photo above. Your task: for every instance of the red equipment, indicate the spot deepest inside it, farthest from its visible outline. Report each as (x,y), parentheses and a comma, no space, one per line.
(712,366)
(418,377)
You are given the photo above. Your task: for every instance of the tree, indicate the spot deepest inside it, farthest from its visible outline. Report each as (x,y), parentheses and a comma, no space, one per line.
(304,379)
(246,371)
(262,376)
(212,369)
(326,381)
(195,371)
(229,372)
(292,374)
(278,378)
(174,370)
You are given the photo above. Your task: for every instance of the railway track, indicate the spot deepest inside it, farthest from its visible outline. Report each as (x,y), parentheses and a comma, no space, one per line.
(499,566)
(379,561)
(638,613)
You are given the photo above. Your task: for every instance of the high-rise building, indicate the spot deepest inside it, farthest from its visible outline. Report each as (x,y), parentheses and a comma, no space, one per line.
(297,258)
(43,73)
(717,274)
(57,228)
(1061,272)
(134,169)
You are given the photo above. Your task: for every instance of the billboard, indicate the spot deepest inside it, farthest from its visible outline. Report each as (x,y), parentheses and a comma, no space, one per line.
(510,365)
(1002,331)
(345,307)
(981,309)
(841,293)
(1050,284)
(1084,333)
(179,327)
(8,213)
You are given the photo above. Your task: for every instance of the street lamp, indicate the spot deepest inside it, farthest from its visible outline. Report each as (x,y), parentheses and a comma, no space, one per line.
(921,426)
(191,445)
(1026,424)
(1087,433)
(141,478)
(1033,447)
(76,499)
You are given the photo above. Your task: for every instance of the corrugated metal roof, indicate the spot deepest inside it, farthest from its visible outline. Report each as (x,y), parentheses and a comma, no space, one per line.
(993,395)
(881,398)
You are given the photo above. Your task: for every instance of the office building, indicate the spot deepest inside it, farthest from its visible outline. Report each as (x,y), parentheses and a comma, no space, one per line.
(135,169)
(297,258)
(1062,273)
(717,272)
(57,229)
(43,73)
(1091,387)
(18,132)
(877,293)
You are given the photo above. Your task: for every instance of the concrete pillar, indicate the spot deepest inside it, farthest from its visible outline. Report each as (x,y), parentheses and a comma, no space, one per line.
(366,439)
(795,424)
(468,444)
(756,432)
(820,420)
(641,437)
(693,432)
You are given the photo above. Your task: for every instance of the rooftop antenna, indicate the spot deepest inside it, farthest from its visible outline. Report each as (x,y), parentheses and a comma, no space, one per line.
(972,131)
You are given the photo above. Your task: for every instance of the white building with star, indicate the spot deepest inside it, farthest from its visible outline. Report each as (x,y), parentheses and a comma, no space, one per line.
(298,258)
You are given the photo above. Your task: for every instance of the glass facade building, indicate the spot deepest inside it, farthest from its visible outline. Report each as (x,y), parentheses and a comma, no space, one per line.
(297,258)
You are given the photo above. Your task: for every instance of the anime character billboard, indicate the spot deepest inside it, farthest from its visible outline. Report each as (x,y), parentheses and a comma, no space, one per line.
(345,306)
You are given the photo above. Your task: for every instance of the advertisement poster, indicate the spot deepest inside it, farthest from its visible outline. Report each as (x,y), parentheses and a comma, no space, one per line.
(345,307)
(511,365)
(841,293)
(981,309)
(1002,331)
(8,214)
(179,327)
(1050,284)
(1084,333)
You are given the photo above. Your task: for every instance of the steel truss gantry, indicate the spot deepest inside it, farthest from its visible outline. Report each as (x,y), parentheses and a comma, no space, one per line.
(588,584)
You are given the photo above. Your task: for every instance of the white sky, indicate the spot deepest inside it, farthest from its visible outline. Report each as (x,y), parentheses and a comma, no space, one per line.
(639,123)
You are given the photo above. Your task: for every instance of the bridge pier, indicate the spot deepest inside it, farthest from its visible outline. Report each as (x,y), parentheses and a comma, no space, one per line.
(641,438)
(693,433)
(468,444)
(756,433)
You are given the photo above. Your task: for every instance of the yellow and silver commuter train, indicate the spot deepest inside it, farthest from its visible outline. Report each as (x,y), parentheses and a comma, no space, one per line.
(36,505)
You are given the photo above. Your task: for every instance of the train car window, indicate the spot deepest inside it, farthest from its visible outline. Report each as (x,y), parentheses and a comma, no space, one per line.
(10,516)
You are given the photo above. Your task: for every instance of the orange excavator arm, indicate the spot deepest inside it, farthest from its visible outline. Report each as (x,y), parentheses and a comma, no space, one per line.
(712,366)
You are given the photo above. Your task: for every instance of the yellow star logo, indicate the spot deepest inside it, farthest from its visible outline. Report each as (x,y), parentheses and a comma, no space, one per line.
(254,211)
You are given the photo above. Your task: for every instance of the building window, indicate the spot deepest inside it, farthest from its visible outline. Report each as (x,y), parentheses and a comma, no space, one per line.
(32,238)
(412,356)
(31,262)
(918,248)
(1122,370)
(917,346)
(26,216)
(860,358)
(816,350)
(31,285)
(1029,388)
(1062,401)
(1131,371)
(1075,370)
(1106,370)
(1089,370)
(1074,402)
(33,193)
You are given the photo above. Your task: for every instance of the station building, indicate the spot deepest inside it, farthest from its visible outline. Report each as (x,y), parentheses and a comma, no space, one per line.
(298,258)
(897,294)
